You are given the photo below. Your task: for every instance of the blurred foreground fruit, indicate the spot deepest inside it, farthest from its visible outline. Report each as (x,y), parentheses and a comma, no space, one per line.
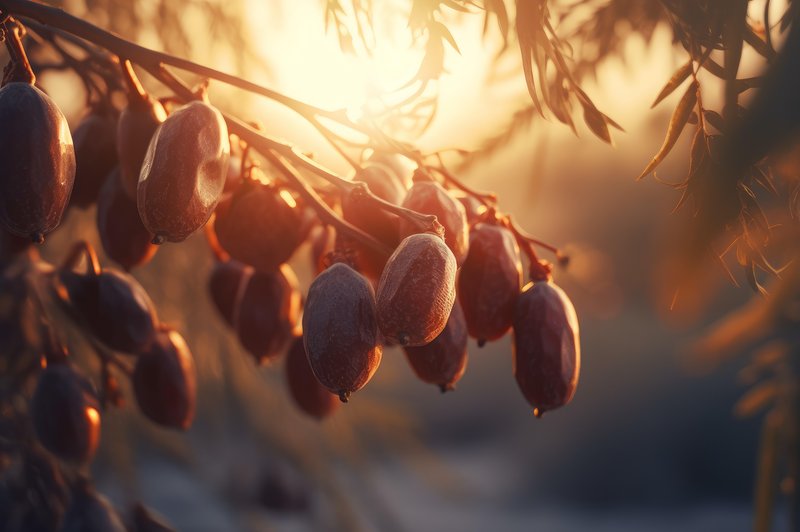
(65,413)
(164,382)
(490,281)
(442,361)
(37,161)
(183,172)
(137,123)
(306,391)
(416,291)
(340,330)
(547,355)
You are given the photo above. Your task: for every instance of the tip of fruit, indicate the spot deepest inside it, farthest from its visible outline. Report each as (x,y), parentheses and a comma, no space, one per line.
(37,238)
(444,388)
(158,240)
(481,342)
(538,412)
(403,339)
(344,396)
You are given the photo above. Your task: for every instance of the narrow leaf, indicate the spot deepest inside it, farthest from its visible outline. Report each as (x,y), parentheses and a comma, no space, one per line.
(676,124)
(680,75)
(595,121)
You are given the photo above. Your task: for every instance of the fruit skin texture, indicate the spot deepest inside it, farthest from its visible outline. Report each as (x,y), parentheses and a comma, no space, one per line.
(165,383)
(37,161)
(184,171)
(115,307)
(340,330)
(417,291)
(306,391)
(136,125)
(268,312)
(444,360)
(260,227)
(95,141)
(547,354)
(490,281)
(124,238)
(429,197)
(65,413)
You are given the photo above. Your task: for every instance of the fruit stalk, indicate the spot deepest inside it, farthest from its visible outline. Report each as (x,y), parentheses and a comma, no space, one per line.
(21,68)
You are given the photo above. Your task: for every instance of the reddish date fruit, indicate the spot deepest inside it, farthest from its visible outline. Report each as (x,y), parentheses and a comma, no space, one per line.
(490,281)
(136,125)
(429,197)
(443,361)
(38,161)
(164,382)
(373,220)
(261,225)
(309,395)
(268,312)
(90,512)
(340,330)
(184,171)
(417,290)
(547,353)
(95,156)
(225,285)
(115,308)
(124,238)
(65,413)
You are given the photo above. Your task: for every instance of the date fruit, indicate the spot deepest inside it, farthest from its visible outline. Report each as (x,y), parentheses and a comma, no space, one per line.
(183,173)
(340,330)
(37,162)
(306,391)
(95,141)
(137,123)
(417,291)
(547,355)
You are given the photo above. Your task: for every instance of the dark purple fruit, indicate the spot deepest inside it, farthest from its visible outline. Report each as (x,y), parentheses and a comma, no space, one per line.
(340,330)
(429,197)
(225,287)
(373,220)
(268,312)
(164,382)
(65,413)
(417,290)
(95,156)
(115,308)
(137,123)
(473,207)
(124,238)
(443,361)
(90,512)
(261,225)
(38,161)
(183,172)
(490,281)
(309,395)
(547,353)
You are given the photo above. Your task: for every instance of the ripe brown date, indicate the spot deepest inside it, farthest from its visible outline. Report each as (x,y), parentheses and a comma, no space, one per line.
(184,171)
(114,306)
(136,125)
(340,330)
(416,291)
(261,225)
(443,361)
(429,197)
(37,161)
(268,312)
(306,391)
(95,141)
(490,281)
(164,381)
(224,286)
(547,355)
(65,413)
(124,238)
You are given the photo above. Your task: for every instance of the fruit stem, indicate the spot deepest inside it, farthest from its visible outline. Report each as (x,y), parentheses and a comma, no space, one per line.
(82,248)
(561,257)
(136,93)
(20,68)
(487,198)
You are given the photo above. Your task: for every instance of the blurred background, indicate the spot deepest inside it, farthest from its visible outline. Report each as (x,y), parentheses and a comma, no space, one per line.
(649,443)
